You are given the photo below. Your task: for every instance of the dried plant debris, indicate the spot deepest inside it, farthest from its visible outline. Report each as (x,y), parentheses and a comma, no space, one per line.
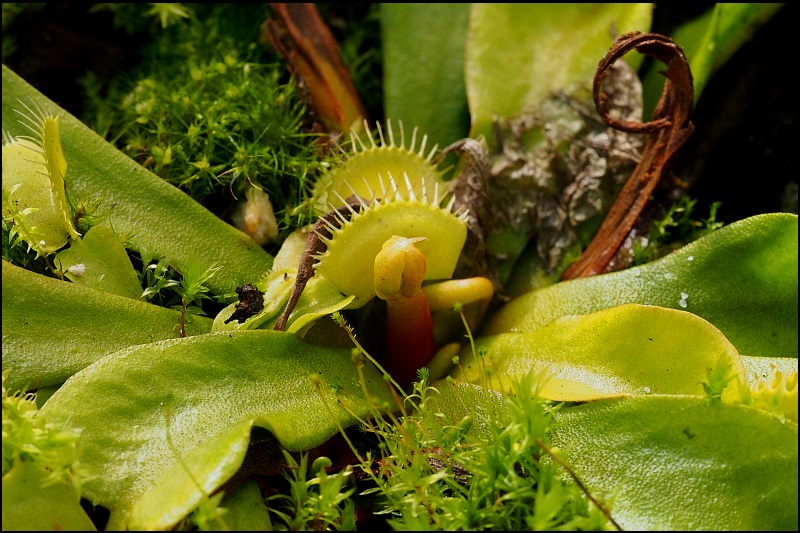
(470,188)
(251,302)
(560,167)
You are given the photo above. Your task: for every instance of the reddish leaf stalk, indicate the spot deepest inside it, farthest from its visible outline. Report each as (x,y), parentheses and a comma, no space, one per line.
(409,337)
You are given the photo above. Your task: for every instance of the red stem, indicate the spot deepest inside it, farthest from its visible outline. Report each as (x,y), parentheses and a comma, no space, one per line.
(409,337)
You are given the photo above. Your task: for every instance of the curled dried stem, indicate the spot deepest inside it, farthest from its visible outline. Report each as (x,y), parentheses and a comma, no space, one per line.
(670,128)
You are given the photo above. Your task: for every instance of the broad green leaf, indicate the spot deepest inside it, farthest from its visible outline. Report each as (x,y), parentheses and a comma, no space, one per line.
(626,350)
(29,505)
(709,41)
(518,54)
(676,463)
(149,413)
(742,278)
(423,68)
(99,261)
(53,328)
(154,214)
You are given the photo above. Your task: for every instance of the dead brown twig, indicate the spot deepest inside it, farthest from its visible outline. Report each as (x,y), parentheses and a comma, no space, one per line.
(670,128)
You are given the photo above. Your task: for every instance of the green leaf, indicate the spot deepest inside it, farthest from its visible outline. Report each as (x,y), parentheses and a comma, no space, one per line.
(99,261)
(742,278)
(52,328)
(30,506)
(155,215)
(201,394)
(423,68)
(518,54)
(675,463)
(626,350)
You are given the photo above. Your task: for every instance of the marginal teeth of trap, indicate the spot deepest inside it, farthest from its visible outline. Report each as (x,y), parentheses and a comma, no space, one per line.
(392,190)
(358,144)
(376,169)
(349,259)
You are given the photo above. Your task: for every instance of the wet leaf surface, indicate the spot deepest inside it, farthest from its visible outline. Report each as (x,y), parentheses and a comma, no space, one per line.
(150,413)
(742,278)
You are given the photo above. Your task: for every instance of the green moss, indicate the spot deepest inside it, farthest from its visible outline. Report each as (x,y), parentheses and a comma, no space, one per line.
(213,112)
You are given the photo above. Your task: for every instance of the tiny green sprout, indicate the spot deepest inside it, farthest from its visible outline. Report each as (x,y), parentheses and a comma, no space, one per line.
(168,14)
(339,319)
(457,307)
(56,449)
(192,290)
(87,215)
(317,501)
(320,464)
(718,378)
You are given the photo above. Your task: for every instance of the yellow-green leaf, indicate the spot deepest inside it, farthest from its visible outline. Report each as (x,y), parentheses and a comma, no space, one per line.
(29,505)
(149,413)
(742,278)
(626,350)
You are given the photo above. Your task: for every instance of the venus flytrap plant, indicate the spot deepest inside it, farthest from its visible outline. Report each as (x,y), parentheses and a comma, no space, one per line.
(33,183)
